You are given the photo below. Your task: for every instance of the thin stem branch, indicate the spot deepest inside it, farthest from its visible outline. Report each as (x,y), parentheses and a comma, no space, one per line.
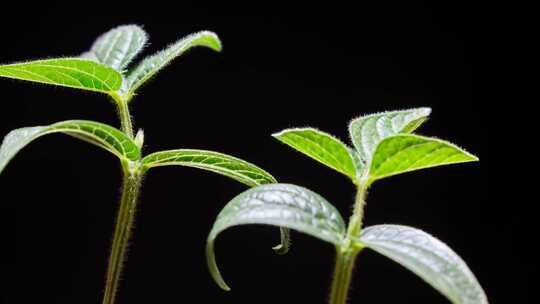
(125,117)
(356,221)
(126,215)
(359,205)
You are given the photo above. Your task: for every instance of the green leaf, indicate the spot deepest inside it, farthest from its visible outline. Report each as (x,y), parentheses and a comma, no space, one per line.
(68,72)
(428,258)
(407,152)
(282,205)
(151,65)
(223,164)
(320,146)
(107,137)
(117,47)
(220,163)
(367,131)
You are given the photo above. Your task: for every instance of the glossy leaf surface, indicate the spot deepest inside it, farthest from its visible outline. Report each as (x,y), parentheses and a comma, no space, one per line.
(407,152)
(117,47)
(320,146)
(151,65)
(428,258)
(281,205)
(220,163)
(67,72)
(367,131)
(107,137)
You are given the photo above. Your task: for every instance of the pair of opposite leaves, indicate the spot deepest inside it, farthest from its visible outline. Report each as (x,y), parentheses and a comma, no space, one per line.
(102,69)
(384,146)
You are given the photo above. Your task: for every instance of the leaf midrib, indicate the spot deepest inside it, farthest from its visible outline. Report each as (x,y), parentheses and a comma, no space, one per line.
(17,67)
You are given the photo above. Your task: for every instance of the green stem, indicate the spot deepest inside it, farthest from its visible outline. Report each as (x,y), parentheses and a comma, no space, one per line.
(347,252)
(125,116)
(342,276)
(131,185)
(126,215)
(356,221)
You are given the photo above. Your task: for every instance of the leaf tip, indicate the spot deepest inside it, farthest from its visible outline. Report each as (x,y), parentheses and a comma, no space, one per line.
(282,133)
(277,135)
(424,111)
(211,40)
(283,247)
(212,265)
(289,130)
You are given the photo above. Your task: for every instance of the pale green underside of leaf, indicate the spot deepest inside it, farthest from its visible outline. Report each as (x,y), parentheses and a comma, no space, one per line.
(407,152)
(119,46)
(281,205)
(367,131)
(220,163)
(104,136)
(427,257)
(320,146)
(67,72)
(151,65)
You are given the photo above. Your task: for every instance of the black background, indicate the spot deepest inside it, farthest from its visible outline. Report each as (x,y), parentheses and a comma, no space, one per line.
(282,66)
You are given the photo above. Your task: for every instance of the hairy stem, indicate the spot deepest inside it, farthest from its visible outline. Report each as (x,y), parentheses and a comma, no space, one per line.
(342,275)
(126,215)
(356,221)
(131,185)
(125,116)
(347,252)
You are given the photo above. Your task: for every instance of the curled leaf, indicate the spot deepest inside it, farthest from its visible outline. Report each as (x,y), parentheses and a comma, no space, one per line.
(117,47)
(151,65)
(219,163)
(367,131)
(282,205)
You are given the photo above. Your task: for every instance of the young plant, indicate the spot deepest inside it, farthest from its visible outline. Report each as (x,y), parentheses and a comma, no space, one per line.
(383,146)
(104,69)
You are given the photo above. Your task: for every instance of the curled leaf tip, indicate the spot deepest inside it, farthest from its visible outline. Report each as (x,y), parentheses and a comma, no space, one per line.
(285,244)
(213,41)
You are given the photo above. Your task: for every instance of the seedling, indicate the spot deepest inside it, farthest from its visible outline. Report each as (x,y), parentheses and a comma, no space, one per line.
(104,69)
(383,146)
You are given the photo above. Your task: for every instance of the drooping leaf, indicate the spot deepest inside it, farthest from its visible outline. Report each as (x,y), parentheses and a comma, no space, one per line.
(117,47)
(107,137)
(320,146)
(151,65)
(281,205)
(68,72)
(220,163)
(407,152)
(427,257)
(367,131)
